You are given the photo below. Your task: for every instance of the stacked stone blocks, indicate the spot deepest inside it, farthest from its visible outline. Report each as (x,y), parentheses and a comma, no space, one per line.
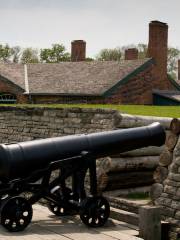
(168,196)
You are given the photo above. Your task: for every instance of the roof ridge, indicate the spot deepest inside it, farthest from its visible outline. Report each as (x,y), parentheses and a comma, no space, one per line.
(174,82)
(92,62)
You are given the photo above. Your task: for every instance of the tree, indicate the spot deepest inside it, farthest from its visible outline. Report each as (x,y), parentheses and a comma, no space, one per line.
(5,53)
(173,56)
(55,54)
(142,50)
(16,53)
(118,53)
(89,59)
(29,55)
(113,54)
(141,47)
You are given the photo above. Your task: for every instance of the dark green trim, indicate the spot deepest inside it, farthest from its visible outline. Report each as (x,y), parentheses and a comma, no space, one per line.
(162,100)
(174,83)
(62,94)
(128,77)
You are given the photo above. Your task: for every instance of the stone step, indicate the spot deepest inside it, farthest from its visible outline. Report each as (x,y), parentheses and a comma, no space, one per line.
(124,216)
(126,204)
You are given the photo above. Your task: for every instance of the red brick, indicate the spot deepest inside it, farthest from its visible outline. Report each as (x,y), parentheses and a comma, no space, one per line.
(8,87)
(78,50)
(131,54)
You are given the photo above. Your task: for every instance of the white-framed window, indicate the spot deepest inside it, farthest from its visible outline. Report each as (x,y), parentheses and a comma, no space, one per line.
(7,98)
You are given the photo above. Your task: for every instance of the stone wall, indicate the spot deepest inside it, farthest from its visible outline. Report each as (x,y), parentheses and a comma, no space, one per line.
(23,124)
(168,197)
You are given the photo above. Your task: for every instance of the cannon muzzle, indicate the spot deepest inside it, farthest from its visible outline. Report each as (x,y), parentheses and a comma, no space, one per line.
(21,159)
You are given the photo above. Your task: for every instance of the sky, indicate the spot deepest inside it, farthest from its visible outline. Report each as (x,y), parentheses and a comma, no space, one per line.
(101,23)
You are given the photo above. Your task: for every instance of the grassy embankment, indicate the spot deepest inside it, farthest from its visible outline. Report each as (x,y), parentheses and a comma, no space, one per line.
(160,111)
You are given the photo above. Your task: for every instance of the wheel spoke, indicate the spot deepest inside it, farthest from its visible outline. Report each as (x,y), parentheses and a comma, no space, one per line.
(8,222)
(55,208)
(25,218)
(86,216)
(9,216)
(25,213)
(94,221)
(18,225)
(22,221)
(99,203)
(90,220)
(24,207)
(102,212)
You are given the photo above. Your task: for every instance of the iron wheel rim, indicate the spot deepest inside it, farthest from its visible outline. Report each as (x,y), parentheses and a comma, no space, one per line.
(95,211)
(16,214)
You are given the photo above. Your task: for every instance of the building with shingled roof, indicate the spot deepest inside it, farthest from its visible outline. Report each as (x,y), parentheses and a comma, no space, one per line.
(129,81)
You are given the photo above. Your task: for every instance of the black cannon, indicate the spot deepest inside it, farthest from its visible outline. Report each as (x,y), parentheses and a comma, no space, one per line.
(26,173)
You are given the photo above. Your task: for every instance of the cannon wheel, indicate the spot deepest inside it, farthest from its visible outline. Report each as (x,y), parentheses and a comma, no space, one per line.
(94,211)
(60,208)
(15,214)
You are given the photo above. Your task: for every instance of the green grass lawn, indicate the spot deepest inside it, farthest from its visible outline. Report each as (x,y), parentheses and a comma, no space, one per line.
(161,111)
(138,196)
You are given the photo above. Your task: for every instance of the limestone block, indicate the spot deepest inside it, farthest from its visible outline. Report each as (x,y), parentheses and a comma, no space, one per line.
(173,167)
(177,150)
(175,205)
(150,223)
(174,177)
(170,190)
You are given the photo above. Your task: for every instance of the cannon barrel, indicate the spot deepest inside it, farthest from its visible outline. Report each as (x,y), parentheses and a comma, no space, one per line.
(21,159)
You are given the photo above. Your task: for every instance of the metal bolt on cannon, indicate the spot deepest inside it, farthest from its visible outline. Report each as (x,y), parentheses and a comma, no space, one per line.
(27,167)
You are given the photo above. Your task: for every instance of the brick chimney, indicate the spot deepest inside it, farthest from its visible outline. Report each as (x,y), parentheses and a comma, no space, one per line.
(78,50)
(179,69)
(157,49)
(131,54)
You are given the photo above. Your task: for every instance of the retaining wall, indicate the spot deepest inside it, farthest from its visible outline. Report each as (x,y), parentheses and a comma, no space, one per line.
(23,124)
(167,188)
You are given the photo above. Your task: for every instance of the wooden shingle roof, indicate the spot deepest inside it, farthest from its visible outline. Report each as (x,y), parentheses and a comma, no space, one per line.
(13,72)
(72,78)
